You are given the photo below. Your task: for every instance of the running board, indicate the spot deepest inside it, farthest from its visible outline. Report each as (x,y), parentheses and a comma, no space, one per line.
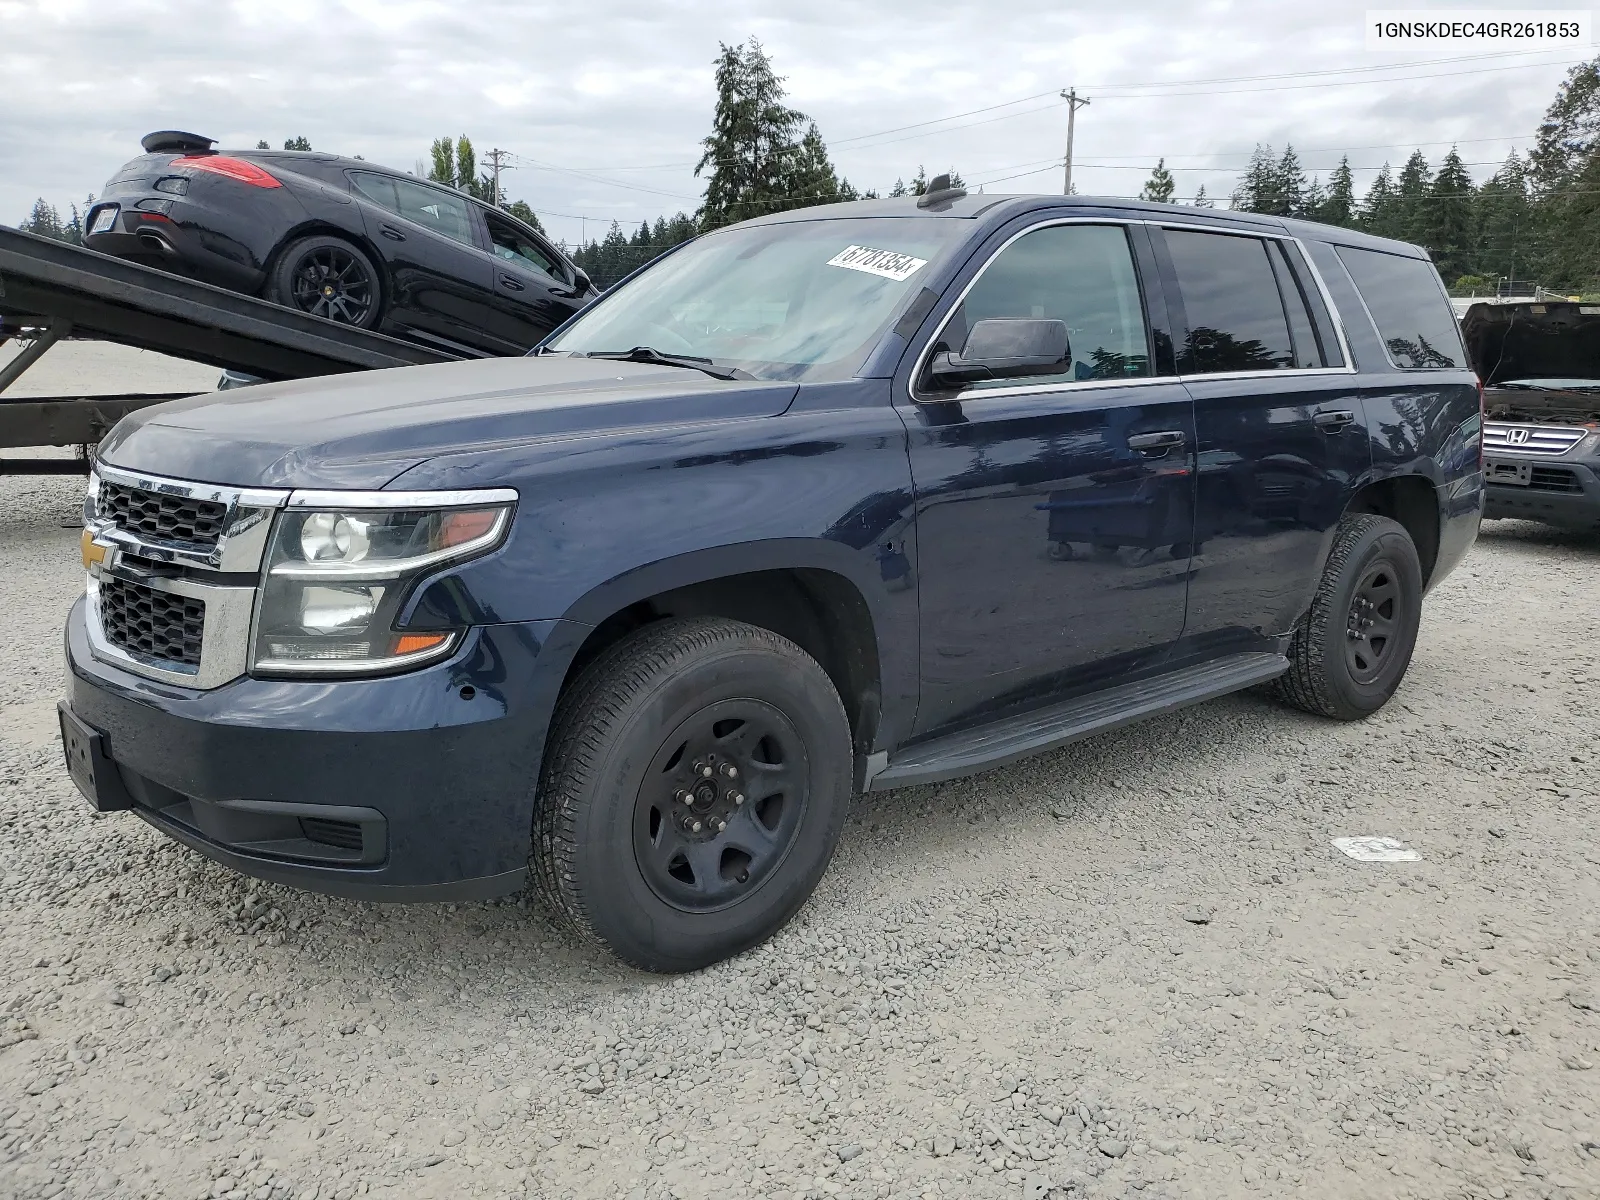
(988,746)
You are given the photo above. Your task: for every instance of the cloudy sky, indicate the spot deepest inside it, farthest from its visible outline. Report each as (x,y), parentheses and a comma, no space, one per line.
(602,104)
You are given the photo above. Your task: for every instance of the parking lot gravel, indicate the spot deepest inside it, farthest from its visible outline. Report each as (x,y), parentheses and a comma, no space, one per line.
(1132,968)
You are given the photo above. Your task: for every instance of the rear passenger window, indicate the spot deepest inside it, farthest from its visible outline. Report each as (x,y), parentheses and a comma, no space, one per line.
(1081,275)
(1409,306)
(1231,299)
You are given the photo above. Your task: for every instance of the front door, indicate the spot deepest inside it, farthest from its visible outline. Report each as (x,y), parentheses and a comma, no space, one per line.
(533,293)
(1054,513)
(1281,431)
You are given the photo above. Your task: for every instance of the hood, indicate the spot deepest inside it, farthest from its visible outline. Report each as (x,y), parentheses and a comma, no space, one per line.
(363,429)
(1548,340)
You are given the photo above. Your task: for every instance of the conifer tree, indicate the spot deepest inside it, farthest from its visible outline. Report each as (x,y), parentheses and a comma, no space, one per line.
(1339,205)
(1201,200)
(1449,218)
(1379,209)
(753,143)
(1412,197)
(1160,186)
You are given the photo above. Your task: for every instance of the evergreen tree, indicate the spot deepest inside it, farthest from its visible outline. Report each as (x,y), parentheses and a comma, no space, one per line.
(753,143)
(1570,129)
(1571,260)
(297,143)
(1261,187)
(1160,186)
(898,190)
(72,231)
(1412,196)
(811,180)
(1291,186)
(1506,234)
(44,221)
(1450,218)
(262,145)
(1314,200)
(1380,209)
(1339,205)
(1201,200)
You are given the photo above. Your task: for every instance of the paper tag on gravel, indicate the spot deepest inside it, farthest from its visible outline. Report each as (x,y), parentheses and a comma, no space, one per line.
(1376,849)
(887,263)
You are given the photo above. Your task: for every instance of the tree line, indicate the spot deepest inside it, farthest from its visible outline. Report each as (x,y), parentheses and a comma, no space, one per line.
(1537,218)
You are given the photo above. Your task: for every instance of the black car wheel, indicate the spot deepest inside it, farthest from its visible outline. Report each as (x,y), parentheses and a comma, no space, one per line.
(1350,653)
(328,277)
(695,783)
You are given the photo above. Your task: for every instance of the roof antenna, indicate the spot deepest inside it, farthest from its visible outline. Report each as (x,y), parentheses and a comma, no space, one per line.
(940,193)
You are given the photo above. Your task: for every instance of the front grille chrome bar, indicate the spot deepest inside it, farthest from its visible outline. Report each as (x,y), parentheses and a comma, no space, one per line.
(239,547)
(1501,437)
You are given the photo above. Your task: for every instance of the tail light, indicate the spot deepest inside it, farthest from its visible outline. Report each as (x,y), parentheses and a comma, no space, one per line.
(234,168)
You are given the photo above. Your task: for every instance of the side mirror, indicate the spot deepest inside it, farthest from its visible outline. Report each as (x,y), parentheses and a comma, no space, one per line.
(1004,349)
(582,282)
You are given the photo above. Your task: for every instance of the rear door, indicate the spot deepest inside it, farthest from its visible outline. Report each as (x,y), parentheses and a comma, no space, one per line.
(1053,513)
(1280,424)
(441,278)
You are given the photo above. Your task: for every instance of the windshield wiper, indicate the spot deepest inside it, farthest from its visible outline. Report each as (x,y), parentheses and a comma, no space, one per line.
(649,354)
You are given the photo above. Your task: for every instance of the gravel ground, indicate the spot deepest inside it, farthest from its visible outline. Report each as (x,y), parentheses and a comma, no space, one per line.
(1135,967)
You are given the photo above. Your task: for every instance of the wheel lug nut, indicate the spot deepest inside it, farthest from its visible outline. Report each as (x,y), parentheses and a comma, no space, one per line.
(721,825)
(682,797)
(731,771)
(705,772)
(696,827)
(738,797)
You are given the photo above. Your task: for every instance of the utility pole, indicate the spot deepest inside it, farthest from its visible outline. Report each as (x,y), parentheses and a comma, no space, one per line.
(494,157)
(1074,103)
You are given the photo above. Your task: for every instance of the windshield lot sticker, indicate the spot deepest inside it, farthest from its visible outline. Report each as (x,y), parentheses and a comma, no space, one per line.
(885,263)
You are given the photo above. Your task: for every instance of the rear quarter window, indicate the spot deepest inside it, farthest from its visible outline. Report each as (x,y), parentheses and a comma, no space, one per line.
(1409,307)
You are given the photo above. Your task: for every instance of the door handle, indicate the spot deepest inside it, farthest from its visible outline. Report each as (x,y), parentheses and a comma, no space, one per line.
(390,232)
(1157,442)
(511,284)
(1333,420)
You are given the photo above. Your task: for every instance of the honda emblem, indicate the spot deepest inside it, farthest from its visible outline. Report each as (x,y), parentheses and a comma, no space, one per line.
(1516,437)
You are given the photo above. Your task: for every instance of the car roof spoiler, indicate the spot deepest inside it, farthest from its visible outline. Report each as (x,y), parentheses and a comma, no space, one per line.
(175,139)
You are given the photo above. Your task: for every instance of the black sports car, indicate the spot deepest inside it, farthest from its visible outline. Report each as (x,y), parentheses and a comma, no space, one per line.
(339,238)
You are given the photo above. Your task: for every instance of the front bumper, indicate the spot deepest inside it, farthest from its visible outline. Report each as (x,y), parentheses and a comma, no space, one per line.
(1541,501)
(410,787)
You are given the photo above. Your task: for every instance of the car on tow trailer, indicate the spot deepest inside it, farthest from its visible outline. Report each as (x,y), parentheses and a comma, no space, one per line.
(841,499)
(339,238)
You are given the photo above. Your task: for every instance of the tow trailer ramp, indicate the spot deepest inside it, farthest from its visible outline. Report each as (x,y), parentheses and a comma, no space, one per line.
(60,290)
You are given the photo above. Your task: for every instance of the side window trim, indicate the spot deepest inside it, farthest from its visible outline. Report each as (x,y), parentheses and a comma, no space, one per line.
(1348,368)
(1137,262)
(1325,320)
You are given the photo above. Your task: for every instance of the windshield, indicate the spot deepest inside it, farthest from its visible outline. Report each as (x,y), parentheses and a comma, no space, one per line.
(803,301)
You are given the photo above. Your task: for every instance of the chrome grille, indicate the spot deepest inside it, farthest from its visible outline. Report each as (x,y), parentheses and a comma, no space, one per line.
(1501,437)
(165,517)
(152,624)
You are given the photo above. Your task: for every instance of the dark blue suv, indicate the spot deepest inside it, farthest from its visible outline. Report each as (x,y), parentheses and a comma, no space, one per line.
(844,499)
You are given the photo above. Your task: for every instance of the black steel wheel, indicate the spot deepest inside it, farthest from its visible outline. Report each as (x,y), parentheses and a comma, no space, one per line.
(1351,651)
(721,805)
(331,278)
(695,782)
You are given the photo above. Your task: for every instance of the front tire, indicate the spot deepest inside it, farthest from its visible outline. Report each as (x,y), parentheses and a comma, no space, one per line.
(695,784)
(1351,652)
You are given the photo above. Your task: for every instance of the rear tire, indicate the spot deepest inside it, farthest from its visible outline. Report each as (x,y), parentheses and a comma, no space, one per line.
(636,847)
(1351,652)
(328,277)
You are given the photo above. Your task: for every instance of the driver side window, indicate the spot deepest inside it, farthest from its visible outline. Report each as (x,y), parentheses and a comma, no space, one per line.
(1081,275)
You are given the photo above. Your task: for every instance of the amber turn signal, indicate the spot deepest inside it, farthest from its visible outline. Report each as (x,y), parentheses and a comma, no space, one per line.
(413,643)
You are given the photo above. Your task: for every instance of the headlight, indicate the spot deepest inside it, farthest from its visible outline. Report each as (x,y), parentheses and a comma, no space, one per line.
(337,577)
